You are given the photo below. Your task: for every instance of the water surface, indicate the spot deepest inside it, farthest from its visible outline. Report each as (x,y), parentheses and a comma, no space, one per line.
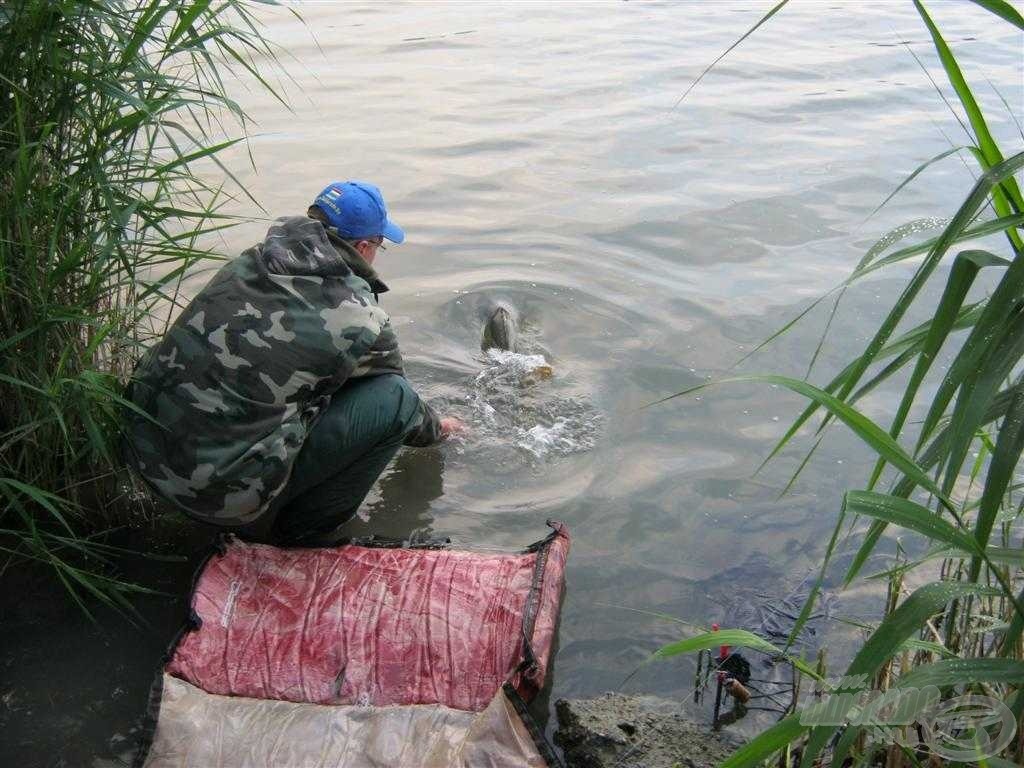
(535,154)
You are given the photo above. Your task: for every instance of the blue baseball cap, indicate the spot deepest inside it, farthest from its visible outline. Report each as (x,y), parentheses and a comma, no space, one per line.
(356,209)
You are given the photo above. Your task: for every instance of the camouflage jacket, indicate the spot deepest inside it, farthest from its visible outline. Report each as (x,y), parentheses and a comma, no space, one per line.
(232,388)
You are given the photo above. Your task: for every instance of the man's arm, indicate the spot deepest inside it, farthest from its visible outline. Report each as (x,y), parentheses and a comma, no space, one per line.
(385,357)
(428,431)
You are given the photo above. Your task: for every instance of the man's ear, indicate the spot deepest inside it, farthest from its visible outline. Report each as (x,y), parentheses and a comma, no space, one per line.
(363,249)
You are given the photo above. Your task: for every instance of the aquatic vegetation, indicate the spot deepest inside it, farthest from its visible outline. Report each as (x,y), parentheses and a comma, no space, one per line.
(107,112)
(962,630)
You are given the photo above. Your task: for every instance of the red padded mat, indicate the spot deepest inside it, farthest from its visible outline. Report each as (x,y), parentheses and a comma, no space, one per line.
(373,626)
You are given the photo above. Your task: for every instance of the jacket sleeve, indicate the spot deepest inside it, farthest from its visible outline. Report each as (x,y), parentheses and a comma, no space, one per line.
(428,431)
(383,356)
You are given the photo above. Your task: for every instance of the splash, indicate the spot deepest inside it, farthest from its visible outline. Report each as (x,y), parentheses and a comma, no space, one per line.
(514,367)
(516,400)
(539,440)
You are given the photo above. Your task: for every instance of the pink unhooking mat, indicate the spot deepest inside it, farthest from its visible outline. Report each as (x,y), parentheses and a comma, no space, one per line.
(360,656)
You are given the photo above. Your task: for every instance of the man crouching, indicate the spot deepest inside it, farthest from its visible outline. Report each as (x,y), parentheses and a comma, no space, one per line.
(279,393)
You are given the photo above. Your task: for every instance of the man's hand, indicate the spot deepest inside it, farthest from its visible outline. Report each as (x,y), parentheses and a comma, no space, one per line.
(452,426)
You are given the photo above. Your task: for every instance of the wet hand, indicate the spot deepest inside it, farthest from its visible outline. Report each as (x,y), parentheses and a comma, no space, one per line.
(451,426)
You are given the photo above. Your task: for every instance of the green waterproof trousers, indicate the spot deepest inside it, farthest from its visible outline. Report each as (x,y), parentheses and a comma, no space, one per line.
(343,455)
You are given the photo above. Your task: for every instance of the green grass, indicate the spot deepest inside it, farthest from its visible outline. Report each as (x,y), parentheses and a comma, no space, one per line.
(106,111)
(962,630)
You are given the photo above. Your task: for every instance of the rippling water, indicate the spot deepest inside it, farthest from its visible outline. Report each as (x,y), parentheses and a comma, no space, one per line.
(536,154)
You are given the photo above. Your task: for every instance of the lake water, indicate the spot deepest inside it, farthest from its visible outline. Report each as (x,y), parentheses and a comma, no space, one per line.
(536,154)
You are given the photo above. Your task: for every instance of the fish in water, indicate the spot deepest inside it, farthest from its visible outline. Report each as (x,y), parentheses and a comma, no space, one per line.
(500,331)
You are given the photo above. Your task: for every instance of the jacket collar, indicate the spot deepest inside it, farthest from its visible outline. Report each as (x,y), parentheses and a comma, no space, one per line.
(356,262)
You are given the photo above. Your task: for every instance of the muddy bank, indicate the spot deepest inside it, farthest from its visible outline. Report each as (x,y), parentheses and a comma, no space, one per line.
(73,691)
(634,731)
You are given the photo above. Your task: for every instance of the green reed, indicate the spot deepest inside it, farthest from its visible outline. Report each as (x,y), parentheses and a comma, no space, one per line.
(962,630)
(107,110)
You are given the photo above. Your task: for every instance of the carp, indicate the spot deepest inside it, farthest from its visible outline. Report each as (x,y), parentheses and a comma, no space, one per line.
(501,333)
(500,330)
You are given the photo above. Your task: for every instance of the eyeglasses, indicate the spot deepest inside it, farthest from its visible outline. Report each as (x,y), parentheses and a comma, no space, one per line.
(379,242)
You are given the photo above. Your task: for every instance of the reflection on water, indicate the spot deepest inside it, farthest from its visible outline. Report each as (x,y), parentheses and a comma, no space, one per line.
(401,504)
(533,155)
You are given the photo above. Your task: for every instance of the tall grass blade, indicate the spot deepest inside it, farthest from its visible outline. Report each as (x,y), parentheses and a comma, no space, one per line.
(999,356)
(915,644)
(1006,224)
(767,743)
(12,488)
(966,267)
(887,639)
(966,363)
(1011,640)
(909,346)
(1001,204)
(734,638)
(929,458)
(1002,9)
(1010,555)
(986,143)
(1009,444)
(916,172)
(868,431)
(961,671)
(956,226)
(729,50)
(907,514)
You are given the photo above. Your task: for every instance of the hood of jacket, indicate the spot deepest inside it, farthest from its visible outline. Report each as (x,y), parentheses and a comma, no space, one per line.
(302,246)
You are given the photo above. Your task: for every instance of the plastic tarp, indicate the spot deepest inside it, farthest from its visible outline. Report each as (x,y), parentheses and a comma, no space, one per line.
(262,732)
(360,656)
